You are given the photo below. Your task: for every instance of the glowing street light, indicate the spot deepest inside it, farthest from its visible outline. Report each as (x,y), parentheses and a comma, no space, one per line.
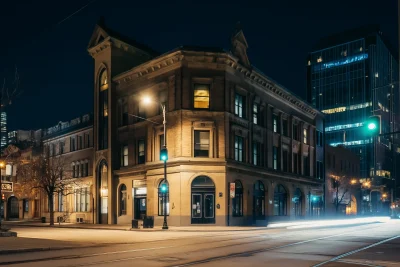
(163,156)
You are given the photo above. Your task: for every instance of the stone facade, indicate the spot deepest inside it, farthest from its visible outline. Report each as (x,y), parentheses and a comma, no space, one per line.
(228,126)
(72,140)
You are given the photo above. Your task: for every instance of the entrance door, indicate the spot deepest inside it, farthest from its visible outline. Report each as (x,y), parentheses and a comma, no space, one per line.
(203,208)
(140,208)
(203,201)
(12,211)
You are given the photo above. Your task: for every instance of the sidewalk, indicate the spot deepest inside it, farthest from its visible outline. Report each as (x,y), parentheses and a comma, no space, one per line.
(205,228)
(126,227)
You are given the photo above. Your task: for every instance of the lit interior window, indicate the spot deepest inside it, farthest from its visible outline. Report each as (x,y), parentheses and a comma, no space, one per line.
(201,96)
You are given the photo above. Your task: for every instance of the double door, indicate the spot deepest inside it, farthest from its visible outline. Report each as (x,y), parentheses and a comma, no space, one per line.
(203,207)
(140,207)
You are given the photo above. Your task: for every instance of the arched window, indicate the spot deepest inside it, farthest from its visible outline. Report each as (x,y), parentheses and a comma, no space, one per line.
(163,198)
(122,200)
(103,110)
(280,201)
(237,201)
(298,201)
(259,201)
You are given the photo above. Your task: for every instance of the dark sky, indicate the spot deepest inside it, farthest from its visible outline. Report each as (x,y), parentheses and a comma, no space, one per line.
(56,72)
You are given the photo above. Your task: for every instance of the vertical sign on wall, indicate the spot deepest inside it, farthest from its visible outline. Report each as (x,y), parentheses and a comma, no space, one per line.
(232,190)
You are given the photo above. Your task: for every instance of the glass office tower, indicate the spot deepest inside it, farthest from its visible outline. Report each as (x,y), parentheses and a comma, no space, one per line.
(3,128)
(351,77)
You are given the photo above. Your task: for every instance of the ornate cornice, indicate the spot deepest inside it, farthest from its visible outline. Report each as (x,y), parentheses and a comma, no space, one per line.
(224,60)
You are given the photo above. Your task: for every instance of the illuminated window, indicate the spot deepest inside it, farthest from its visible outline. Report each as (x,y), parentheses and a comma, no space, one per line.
(122,200)
(344,126)
(124,155)
(103,111)
(201,143)
(376,75)
(341,62)
(342,109)
(275,119)
(305,136)
(238,148)
(256,153)
(239,105)
(255,113)
(201,96)
(141,152)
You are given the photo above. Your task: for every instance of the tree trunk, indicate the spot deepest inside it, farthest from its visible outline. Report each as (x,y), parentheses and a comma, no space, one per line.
(51,207)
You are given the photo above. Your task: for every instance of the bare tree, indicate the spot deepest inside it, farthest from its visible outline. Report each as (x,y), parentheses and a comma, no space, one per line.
(10,91)
(50,175)
(340,188)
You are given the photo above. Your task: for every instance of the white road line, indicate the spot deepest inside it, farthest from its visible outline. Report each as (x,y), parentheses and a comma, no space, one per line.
(356,251)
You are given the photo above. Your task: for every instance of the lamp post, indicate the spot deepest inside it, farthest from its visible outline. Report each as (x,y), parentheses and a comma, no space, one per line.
(164,158)
(2,166)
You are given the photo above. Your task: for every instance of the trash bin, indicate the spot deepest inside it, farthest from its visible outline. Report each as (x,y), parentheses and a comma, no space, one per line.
(43,219)
(135,224)
(148,222)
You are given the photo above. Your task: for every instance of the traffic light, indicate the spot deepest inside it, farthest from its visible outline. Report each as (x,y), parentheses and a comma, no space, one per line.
(374,125)
(164,188)
(164,154)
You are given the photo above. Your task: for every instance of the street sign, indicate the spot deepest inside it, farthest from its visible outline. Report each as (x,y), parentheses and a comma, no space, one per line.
(232,190)
(7,186)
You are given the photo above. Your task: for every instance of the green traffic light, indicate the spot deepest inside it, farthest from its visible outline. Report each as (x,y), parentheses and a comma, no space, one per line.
(371,126)
(163,188)
(164,154)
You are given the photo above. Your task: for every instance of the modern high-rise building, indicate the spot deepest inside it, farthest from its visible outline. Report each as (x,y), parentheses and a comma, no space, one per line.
(3,129)
(350,77)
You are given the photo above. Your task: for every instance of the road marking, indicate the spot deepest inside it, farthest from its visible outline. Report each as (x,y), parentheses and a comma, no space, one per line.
(356,251)
(254,251)
(359,263)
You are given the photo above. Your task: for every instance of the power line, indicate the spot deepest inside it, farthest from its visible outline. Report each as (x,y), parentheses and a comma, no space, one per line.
(76,12)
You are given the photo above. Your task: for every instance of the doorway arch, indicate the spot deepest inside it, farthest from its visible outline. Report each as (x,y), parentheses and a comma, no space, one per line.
(202,200)
(102,188)
(12,208)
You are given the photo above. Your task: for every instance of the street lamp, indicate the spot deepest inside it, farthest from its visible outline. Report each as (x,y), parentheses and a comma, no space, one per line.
(164,157)
(2,166)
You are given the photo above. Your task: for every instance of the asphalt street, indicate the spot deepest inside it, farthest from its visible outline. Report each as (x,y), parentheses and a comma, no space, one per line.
(376,244)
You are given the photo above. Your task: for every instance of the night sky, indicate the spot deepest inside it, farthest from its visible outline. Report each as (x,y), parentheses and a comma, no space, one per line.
(56,71)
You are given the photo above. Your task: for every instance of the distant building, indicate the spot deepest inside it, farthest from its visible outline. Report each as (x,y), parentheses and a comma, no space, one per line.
(25,137)
(350,77)
(3,129)
(343,186)
(72,140)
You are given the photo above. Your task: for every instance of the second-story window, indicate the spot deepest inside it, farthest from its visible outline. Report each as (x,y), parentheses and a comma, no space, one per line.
(256,153)
(255,113)
(239,106)
(285,131)
(61,148)
(80,142)
(201,96)
(275,120)
(305,136)
(141,152)
(295,132)
(125,115)
(239,148)
(201,143)
(72,144)
(276,158)
(124,155)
